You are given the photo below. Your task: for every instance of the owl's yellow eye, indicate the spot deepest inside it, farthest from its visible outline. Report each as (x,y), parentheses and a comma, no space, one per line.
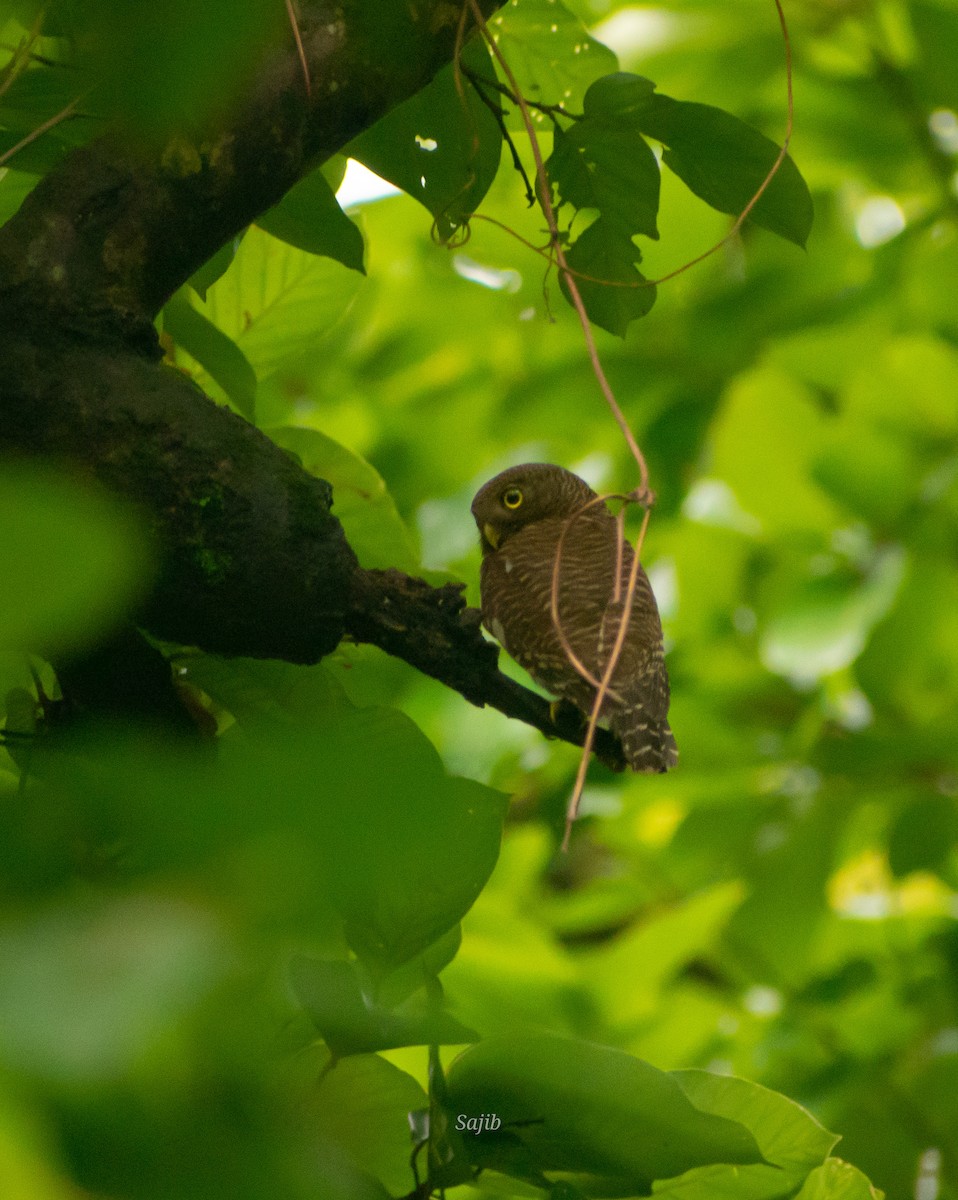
(512,497)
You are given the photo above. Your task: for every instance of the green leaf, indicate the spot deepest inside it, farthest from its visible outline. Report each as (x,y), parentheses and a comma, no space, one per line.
(73,561)
(599,164)
(551,55)
(276,302)
(621,98)
(440,147)
(362,502)
(837,1180)
(309,218)
(792,1142)
(580,1107)
(15,186)
(398,847)
(613,291)
(724,162)
(361,1106)
(216,353)
(335,994)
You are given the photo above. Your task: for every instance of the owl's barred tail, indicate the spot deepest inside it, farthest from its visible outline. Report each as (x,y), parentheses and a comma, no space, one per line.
(649,747)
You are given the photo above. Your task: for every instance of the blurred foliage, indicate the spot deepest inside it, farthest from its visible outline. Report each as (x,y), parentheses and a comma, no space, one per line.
(783,907)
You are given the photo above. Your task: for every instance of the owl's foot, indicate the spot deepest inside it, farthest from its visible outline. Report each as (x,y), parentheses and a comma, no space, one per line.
(564,712)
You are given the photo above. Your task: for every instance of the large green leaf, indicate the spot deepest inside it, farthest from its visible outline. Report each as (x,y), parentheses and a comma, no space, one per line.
(276,302)
(442,147)
(362,1107)
(354,816)
(724,162)
(575,1106)
(791,1140)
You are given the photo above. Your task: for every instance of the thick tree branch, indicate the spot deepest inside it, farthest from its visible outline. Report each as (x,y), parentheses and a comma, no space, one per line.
(250,558)
(432,629)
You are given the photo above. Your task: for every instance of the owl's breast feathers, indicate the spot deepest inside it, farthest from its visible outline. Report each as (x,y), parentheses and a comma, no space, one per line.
(516,582)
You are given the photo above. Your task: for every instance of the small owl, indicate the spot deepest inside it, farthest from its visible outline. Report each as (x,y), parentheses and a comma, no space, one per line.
(521,515)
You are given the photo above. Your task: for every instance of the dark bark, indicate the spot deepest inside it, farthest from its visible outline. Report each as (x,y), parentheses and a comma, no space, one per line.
(250,558)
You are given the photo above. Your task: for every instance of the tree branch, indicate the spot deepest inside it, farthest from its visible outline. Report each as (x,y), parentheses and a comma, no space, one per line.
(250,560)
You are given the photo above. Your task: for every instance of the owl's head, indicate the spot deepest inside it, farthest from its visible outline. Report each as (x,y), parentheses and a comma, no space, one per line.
(525,494)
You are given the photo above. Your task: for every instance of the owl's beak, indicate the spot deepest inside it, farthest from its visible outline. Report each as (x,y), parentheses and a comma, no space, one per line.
(491,534)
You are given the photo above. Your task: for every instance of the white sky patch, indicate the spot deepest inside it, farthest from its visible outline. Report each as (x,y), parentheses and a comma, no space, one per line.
(665,586)
(633,31)
(878,220)
(362,186)
(712,502)
(488,277)
(943,124)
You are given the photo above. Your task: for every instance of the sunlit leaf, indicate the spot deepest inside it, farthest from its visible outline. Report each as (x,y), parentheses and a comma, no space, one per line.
(549,51)
(837,1180)
(276,302)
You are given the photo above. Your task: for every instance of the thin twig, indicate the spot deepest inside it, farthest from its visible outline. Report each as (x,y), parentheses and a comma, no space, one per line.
(40,130)
(573,809)
(294,23)
(642,494)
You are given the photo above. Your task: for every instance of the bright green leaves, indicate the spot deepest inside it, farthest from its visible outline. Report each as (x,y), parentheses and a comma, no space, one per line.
(266,311)
(792,1142)
(552,57)
(574,1106)
(72,561)
(724,162)
(441,147)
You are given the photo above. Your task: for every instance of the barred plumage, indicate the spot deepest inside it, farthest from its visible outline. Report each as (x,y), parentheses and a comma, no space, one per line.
(521,515)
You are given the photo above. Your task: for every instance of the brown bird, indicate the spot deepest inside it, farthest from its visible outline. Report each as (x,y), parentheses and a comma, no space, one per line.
(521,515)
